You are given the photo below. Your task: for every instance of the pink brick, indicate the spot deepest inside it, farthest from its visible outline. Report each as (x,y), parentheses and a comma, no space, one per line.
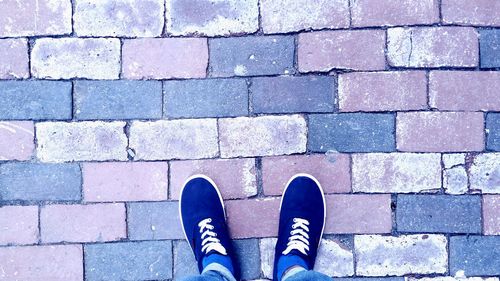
(125,181)
(253,217)
(234,177)
(394,12)
(342,49)
(16,140)
(433,47)
(440,131)
(358,213)
(61,262)
(82,223)
(163,58)
(13,58)
(332,171)
(382,91)
(465,90)
(491,214)
(35,17)
(19,225)
(475,12)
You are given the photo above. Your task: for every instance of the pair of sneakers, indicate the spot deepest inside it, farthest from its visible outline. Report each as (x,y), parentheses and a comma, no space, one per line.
(301,225)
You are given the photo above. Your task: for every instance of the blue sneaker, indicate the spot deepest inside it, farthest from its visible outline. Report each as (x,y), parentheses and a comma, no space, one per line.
(302,221)
(204,223)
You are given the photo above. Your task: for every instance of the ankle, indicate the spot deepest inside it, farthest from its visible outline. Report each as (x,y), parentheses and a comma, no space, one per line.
(292,271)
(287,263)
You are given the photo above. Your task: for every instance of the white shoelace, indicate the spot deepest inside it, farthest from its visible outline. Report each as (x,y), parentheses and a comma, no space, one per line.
(299,237)
(209,238)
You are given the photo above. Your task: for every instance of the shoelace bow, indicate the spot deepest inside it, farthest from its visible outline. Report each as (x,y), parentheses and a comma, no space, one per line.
(299,237)
(210,242)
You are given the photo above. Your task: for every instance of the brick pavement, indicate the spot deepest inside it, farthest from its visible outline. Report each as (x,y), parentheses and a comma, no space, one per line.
(106,107)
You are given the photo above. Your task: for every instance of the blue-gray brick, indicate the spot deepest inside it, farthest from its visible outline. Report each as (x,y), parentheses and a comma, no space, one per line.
(351,132)
(438,213)
(119,99)
(251,56)
(370,279)
(475,255)
(205,98)
(490,48)
(287,94)
(184,261)
(493,131)
(249,258)
(146,260)
(34,181)
(154,220)
(38,100)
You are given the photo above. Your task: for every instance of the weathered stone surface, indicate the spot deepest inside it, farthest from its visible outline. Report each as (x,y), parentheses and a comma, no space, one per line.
(13,58)
(334,259)
(248,257)
(450,278)
(396,172)
(471,12)
(184,261)
(432,47)
(343,49)
(382,91)
(455,178)
(174,139)
(407,254)
(35,18)
(262,136)
(475,255)
(81,141)
(66,58)
(267,249)
(34,181)
(235,178)
(19,225)
(490,52)
(154,220)
(123,18)
(16,140)
(209,18)
(493,131)
(253,217)
(281,16)
(491,214)
(485,173)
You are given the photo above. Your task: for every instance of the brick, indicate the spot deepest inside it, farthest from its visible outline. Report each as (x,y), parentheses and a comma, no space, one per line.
(145,260)
(342,49)
(289,94)
(66,58)
(334,259)
(119,18)
(205,98)
(396,172)
(407,254)
(455,180)
(262,136)
(248,258)
(118,99)
(475,255)
(235,178)
(253,217)
(432,47)
(280,16)
(16,140)
(458,90)
(391,12)
(154,220)
(208,18)
(251,56)
(35,100)
(81,141)
(184,262)
(19,225)
(331,170)
(351,132)
(14,59)
(493,131)
(471,12)
(57,262)
(450,278)
(491,214)
(382,91)
(372,279)
(267,250)
(440,131)
(489,41)
(485,173)
(358,213)
(82,223)
(35,18)
(37,182)
(438,213)
(173,139)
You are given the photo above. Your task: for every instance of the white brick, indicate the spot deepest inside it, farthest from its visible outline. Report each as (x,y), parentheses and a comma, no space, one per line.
(485,173)
(450,278)
(267,246)
(334,259)
(455,180)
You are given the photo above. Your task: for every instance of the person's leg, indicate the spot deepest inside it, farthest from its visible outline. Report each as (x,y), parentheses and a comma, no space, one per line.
(301,225)
(204,223)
